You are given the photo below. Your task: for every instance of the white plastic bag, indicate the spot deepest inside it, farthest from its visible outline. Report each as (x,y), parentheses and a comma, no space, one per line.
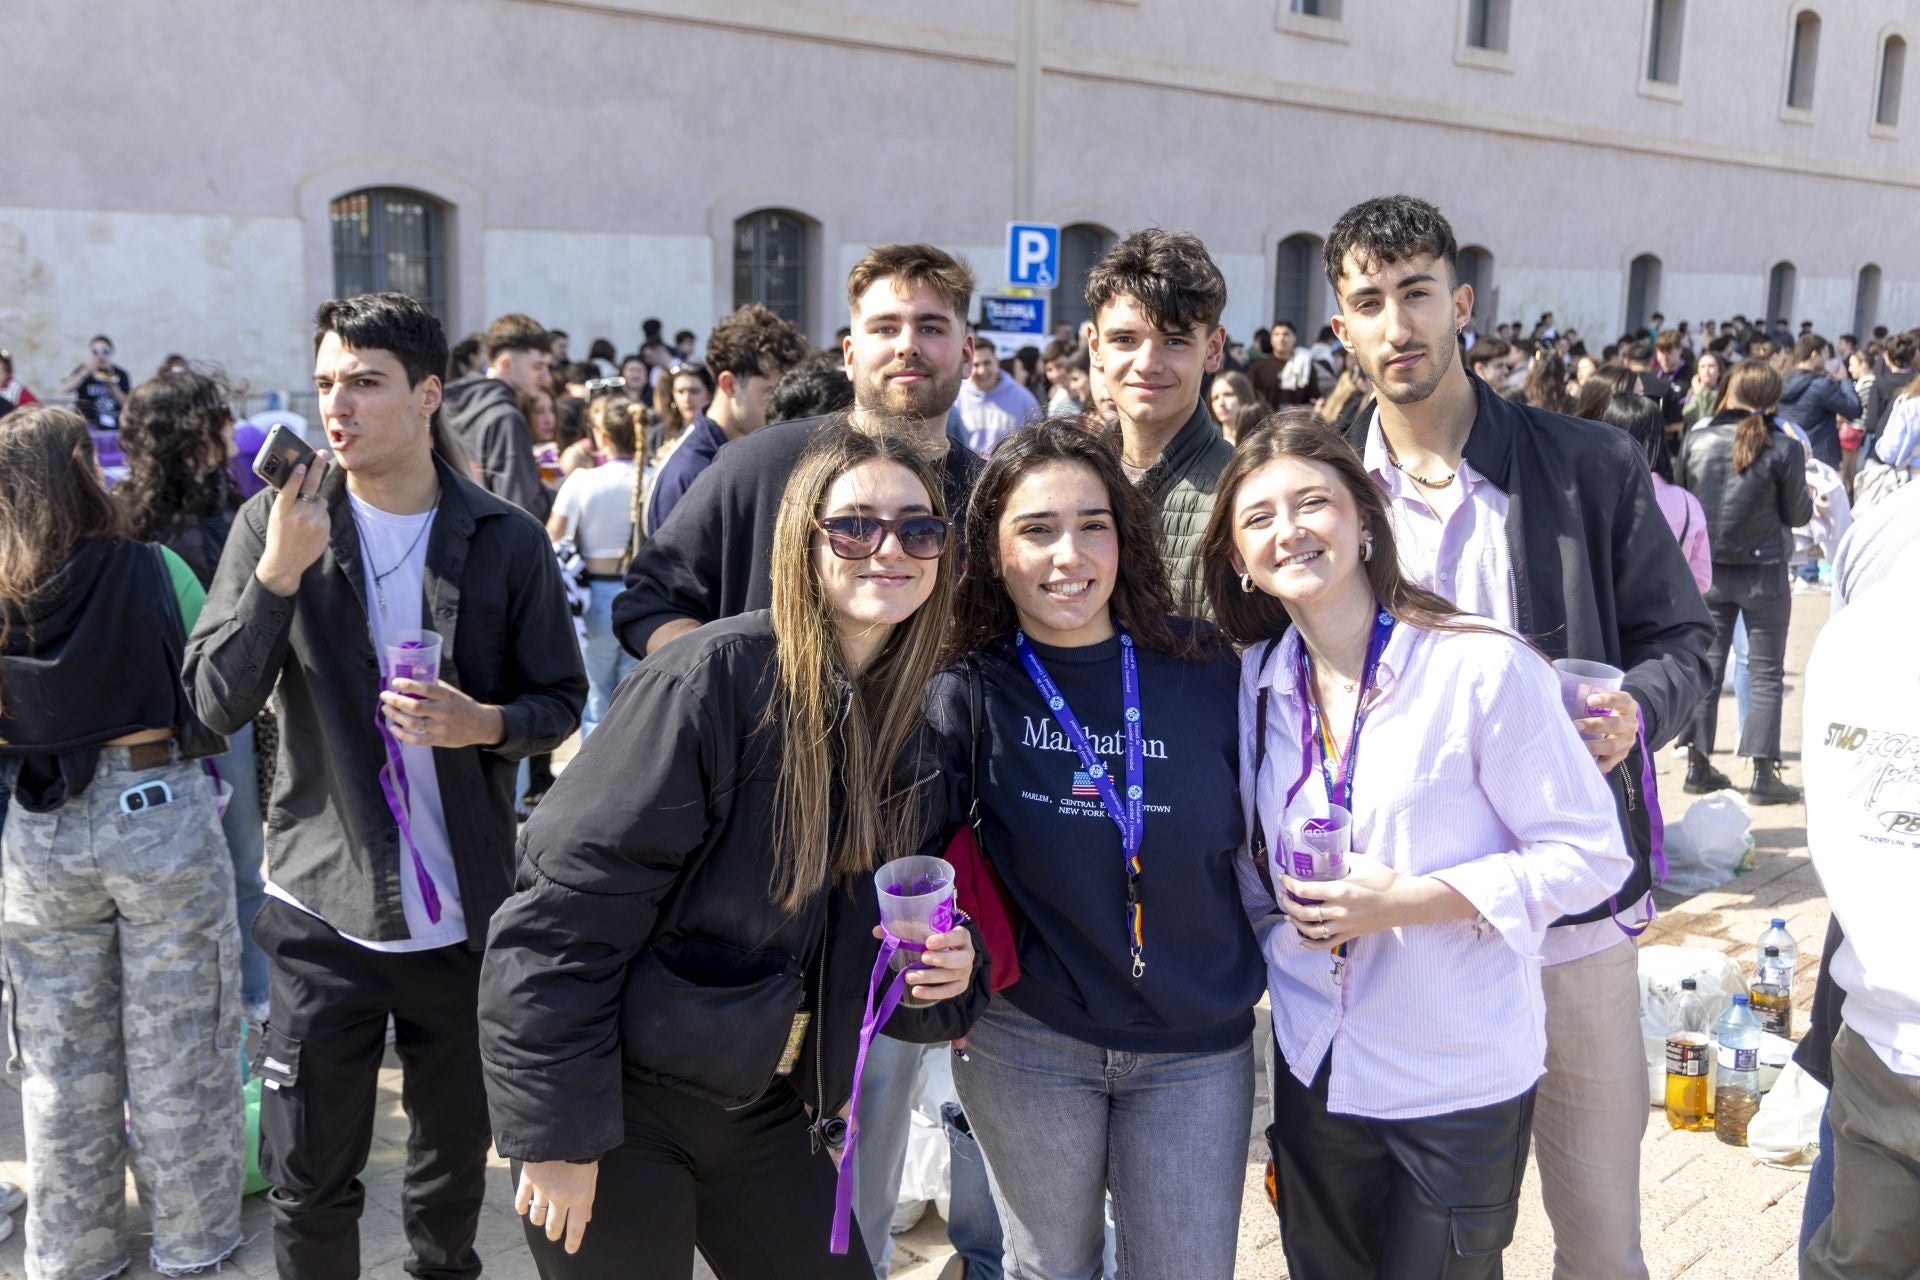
(1717,978)
(1710,845)
(1786,1128)
(928,1175)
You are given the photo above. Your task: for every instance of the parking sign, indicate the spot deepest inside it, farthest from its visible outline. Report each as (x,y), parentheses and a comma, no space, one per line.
(1033,254)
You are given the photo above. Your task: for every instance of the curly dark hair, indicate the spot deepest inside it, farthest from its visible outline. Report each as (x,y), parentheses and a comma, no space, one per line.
(1142,600)
(750,341)
(174,436)
(1169,273)
(1386,230)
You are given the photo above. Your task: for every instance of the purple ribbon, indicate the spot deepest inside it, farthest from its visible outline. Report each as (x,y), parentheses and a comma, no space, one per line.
(874,1020)
(393,785)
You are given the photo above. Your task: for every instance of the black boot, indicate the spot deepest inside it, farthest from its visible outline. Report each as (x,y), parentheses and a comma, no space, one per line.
(1702,777)
(1767,787)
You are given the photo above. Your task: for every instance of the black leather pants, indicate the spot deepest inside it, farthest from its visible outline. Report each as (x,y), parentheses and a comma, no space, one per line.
(1396,1199)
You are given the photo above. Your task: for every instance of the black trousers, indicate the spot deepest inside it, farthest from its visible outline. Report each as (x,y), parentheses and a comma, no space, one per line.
(319,1063)
(745,1186)
(1763,595)
(1395,1199)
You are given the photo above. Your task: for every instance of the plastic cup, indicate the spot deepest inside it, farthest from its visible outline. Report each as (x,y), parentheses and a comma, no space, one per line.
(413,655)
(916,900)
(1579,680)
(1319,848)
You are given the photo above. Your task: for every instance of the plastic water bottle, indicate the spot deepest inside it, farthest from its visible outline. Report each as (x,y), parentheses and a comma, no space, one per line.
(1689,1051)
(1773,961)
(1737,1094)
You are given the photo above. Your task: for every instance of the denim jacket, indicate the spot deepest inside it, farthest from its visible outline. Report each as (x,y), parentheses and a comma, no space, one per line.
(494,594)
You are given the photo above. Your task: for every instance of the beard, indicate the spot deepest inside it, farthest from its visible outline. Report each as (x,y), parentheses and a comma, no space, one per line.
(1441,356)
(929,398)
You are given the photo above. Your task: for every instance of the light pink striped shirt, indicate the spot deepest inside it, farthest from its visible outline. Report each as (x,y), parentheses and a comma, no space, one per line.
(1469,771)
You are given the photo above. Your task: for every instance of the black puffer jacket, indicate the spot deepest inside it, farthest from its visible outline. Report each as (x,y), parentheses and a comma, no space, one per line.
(642,940)
(1751,515)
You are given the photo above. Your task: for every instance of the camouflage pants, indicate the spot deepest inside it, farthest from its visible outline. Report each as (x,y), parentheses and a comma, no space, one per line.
(122,962)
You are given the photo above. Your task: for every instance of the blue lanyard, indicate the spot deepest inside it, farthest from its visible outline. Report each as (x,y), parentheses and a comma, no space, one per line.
(1314,740)
(1131,816)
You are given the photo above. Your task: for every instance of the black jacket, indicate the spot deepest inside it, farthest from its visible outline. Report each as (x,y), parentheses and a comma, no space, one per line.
(493,592)
(1810,400)
(1751,515)
(713,558)
(484,416)
(1597,575)
(642,943)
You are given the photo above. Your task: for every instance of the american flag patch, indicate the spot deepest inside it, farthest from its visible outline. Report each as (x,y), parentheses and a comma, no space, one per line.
(1083,784)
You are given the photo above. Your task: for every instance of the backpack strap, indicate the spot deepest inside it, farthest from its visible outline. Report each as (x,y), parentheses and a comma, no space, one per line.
(1261,860)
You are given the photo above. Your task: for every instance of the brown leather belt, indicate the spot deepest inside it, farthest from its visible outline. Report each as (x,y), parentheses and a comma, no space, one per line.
(150,755)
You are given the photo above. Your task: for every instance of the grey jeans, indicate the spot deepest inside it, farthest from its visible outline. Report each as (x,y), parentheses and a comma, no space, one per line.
(1061,1122)
(1875,1115)
(122,960)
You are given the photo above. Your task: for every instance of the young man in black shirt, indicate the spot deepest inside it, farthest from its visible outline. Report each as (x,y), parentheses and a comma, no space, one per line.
(390,839)
(907,352)
(484,412)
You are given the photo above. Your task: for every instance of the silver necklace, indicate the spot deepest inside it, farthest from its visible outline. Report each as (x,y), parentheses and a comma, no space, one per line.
(379,578)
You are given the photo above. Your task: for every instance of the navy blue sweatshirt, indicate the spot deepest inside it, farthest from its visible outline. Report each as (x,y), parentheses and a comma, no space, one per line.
(1060,854)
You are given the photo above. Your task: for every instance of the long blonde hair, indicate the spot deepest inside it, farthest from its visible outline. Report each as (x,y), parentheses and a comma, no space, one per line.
(881,813)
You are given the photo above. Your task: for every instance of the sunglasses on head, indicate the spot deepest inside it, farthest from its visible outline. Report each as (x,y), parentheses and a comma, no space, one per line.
(678,369)
(859,537)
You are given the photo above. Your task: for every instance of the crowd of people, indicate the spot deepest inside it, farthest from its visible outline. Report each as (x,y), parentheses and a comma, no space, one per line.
(1103,624)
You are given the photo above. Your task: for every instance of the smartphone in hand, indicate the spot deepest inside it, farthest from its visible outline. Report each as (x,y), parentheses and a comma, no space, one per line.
(283,451)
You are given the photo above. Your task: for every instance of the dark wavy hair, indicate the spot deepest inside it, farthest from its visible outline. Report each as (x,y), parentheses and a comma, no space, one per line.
(1142,600)
(1251,616)
(174,436)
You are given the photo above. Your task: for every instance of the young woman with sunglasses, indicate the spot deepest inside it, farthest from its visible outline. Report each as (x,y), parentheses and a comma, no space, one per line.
(1121,1060)
(672,1005)
(1407,1009)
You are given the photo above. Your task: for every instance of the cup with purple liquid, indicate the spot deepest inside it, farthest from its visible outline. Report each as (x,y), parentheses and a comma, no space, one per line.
(1579,680)
(1319,849)
(413,655)
(916,900)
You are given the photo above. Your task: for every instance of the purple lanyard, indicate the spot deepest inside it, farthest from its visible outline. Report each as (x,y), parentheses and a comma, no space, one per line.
(869,1025)
(1339,791)
(1130,817)
(393,785)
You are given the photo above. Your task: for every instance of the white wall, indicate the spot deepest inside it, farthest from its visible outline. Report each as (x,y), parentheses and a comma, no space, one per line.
(600,285)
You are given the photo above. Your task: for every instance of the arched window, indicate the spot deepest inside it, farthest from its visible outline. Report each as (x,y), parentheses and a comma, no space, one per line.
(1666,25)
(389,238)
(1893,69)
(1300,286)
(1643,291)
(770,262)
(1803,61)
(1487,25)
(1780,282)
(1866,303)
(1476,269)
(1082,245)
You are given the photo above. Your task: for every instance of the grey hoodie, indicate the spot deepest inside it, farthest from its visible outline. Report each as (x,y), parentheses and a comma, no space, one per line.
(485,418)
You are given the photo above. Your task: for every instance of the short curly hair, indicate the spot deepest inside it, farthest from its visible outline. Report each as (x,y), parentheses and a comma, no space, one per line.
(1169,273)
(755,341)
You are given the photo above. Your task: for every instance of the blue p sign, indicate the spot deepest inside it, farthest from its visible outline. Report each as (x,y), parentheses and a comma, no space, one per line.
(1033,254)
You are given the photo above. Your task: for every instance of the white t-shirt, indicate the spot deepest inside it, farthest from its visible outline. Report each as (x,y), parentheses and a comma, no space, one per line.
(394,550)
(1861,757)
(597,504)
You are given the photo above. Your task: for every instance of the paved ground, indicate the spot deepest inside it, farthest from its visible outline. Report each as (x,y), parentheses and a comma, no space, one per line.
(1709,1211)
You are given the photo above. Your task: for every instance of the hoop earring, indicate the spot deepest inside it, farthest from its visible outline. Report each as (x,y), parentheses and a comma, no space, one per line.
(1366,548)
(1246,583)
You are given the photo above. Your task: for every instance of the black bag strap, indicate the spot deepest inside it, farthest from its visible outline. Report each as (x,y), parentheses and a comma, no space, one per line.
(1260,858)
(976,720)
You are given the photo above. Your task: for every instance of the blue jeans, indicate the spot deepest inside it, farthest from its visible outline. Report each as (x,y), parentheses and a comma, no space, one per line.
(1742,682)
(1061,1121)
(607,662)
(1818,1206)
(973,1227)
(247,845)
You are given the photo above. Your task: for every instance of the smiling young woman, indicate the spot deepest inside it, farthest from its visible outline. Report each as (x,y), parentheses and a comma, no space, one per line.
(1108,752)
(1402,1106)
